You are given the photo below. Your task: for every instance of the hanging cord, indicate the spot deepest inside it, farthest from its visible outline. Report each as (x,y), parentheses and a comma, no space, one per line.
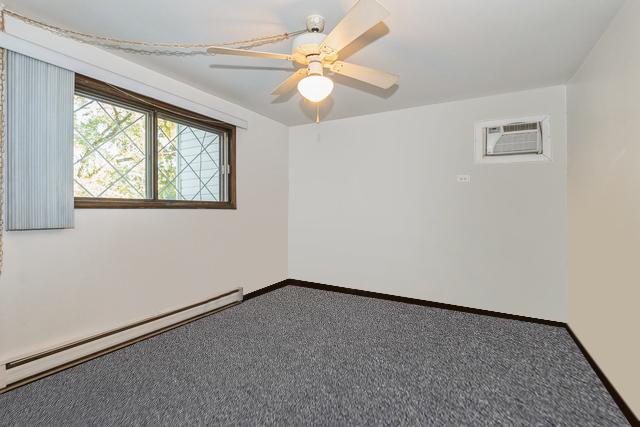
(143,47)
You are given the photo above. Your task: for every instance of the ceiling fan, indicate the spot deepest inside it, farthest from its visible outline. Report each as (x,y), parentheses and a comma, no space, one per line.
(317,51)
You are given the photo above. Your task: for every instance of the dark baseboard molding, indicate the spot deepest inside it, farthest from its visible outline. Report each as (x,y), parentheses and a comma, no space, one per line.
(624,408)
(425,303)
(265,290)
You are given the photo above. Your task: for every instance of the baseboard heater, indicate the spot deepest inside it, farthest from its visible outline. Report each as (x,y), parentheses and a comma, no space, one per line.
(27,368)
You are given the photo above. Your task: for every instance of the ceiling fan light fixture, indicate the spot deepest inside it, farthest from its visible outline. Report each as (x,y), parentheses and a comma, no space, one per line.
(315,87)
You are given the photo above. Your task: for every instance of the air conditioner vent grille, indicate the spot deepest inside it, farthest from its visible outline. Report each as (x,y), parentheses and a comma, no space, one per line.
(517,127)
(513,138)
(517,143)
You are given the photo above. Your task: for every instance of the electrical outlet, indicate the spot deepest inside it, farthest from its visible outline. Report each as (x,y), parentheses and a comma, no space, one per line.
(464,179)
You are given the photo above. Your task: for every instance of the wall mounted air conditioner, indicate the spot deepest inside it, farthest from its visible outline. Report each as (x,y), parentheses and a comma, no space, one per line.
(513,140)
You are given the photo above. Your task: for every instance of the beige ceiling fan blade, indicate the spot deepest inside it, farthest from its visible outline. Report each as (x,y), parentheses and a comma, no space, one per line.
(290,83)
(372,76)
(246,52)
(362,16)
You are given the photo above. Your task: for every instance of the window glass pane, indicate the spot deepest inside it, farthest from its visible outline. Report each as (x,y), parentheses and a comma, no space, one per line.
(109,150)
(188,162)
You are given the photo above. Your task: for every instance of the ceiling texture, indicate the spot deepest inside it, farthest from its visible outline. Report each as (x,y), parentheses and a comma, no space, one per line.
(443,50)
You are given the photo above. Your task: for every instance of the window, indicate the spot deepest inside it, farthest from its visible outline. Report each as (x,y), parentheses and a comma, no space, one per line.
(189,160)
(110,149)
(131,151)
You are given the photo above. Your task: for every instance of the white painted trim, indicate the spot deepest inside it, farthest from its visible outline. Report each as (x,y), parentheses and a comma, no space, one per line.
(9,376)
(106,66)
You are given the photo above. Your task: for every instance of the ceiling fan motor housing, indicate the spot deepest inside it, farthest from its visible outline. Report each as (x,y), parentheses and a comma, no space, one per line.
(302,43)
(307,44)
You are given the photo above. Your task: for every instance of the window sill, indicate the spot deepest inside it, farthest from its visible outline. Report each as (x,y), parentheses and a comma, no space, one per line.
(91,203)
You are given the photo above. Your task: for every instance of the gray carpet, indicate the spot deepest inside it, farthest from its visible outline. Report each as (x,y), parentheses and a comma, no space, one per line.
(298,356)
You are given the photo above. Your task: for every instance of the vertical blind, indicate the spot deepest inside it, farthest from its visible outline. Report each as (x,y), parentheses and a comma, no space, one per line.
(39,144)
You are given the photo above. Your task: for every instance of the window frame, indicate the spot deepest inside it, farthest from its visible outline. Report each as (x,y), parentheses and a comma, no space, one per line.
(154,109)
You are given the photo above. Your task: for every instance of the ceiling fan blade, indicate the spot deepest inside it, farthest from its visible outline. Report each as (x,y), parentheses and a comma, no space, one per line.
(372,76)
(290,83)
(246,52)
(362,16)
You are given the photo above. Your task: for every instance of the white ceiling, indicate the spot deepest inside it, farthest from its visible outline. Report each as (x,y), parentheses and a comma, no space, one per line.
(442,49)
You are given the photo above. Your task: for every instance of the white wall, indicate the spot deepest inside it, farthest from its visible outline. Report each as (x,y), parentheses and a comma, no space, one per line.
(604,203)
(374,204)
(119,266)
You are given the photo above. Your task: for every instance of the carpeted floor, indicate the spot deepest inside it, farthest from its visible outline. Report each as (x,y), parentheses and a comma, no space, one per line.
(298,356)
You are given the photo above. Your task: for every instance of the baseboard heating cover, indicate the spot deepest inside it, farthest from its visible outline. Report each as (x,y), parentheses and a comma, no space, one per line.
(23,369)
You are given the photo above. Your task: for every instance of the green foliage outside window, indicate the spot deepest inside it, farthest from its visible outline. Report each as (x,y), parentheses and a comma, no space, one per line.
(109,150)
